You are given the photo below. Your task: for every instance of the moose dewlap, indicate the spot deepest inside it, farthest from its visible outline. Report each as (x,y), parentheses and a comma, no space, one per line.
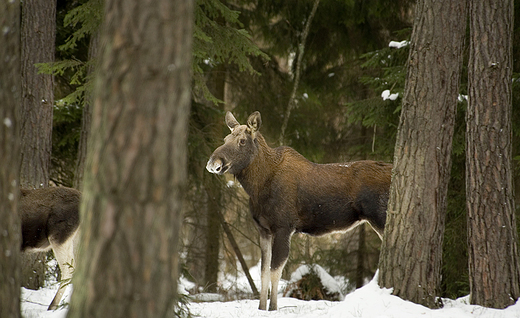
(288,193)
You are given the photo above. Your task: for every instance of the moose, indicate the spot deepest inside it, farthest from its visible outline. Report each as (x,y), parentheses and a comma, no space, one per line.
(50,219)
(288,194)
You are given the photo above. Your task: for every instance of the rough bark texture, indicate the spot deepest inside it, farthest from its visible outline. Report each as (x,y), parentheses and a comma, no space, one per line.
(10,227)
(38,35)
(136,164)
(411,253)
(493,242)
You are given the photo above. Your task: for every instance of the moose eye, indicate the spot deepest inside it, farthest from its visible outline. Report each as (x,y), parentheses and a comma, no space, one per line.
(242,142)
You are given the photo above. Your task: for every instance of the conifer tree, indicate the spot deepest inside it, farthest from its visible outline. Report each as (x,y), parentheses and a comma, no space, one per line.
(411,254)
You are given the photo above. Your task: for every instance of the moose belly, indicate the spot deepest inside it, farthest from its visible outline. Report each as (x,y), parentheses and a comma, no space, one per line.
(328,216)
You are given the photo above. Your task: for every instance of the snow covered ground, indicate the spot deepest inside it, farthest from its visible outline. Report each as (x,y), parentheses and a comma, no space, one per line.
(369,301)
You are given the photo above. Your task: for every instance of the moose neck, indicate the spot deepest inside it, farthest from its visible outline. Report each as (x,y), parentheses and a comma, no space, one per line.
(253,177)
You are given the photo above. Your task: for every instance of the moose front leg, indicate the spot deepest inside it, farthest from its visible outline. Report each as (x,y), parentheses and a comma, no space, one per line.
(266,243)
(280,254)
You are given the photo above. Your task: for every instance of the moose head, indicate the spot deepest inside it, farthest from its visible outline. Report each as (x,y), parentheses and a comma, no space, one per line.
(240,146)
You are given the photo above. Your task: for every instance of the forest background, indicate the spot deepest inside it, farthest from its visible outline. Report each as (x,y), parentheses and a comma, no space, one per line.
(256,55)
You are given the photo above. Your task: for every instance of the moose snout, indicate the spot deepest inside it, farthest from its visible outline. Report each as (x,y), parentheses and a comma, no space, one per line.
(216,165)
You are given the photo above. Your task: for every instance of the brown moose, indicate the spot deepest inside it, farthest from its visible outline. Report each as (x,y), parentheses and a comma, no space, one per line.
(290,194)
(50,219)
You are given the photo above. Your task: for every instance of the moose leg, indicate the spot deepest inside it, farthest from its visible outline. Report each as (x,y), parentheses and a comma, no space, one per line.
(281,245)
(266,248)
(64,254)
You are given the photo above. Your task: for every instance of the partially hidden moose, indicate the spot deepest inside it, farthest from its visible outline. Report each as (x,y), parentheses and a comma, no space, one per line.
(50,219)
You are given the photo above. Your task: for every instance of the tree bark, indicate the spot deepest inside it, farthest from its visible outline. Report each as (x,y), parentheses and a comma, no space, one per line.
(492,237)
(135,173)
(411,253)
(37,46)
(10,227)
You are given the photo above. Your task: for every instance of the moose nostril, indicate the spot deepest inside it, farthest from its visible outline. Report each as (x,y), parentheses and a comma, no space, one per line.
(215,166)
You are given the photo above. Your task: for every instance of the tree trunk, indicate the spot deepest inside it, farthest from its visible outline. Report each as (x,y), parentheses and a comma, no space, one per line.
(217,86)
(10,226)
(211,266)
(360,256)
(493,249)
(299,60)
(238,253)
(411,253)
(135,174)
(37,46)
(86,118)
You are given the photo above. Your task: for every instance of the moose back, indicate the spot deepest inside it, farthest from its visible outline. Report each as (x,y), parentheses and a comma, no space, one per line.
(288,193)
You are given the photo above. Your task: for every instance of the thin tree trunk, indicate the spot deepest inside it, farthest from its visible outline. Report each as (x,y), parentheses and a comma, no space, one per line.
(10,85)
(361,252)
(86,117)
(238,253)
(211,266)
(217,84)
(135,174)
(411,253)
(493,243)
(38,36)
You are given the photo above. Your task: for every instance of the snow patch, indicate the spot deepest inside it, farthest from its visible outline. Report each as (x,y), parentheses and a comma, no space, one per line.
(387,95)
(329,283)
(462,98)
(398,45)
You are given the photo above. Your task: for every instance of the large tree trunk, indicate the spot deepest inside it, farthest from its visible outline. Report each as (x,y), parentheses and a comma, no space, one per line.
(135,174)
(10,226)
(411,253)
(493,242)
(38,36)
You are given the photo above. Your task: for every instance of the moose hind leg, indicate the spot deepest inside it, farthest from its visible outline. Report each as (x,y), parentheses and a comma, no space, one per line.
(64,254)
(266,249)
(281,246)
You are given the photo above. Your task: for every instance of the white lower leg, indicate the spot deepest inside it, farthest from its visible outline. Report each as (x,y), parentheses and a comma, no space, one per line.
(64,254)
(265,246)
(275,279)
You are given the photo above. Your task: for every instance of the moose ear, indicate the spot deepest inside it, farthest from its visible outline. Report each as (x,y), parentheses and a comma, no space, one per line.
(231,122)
(254,122)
